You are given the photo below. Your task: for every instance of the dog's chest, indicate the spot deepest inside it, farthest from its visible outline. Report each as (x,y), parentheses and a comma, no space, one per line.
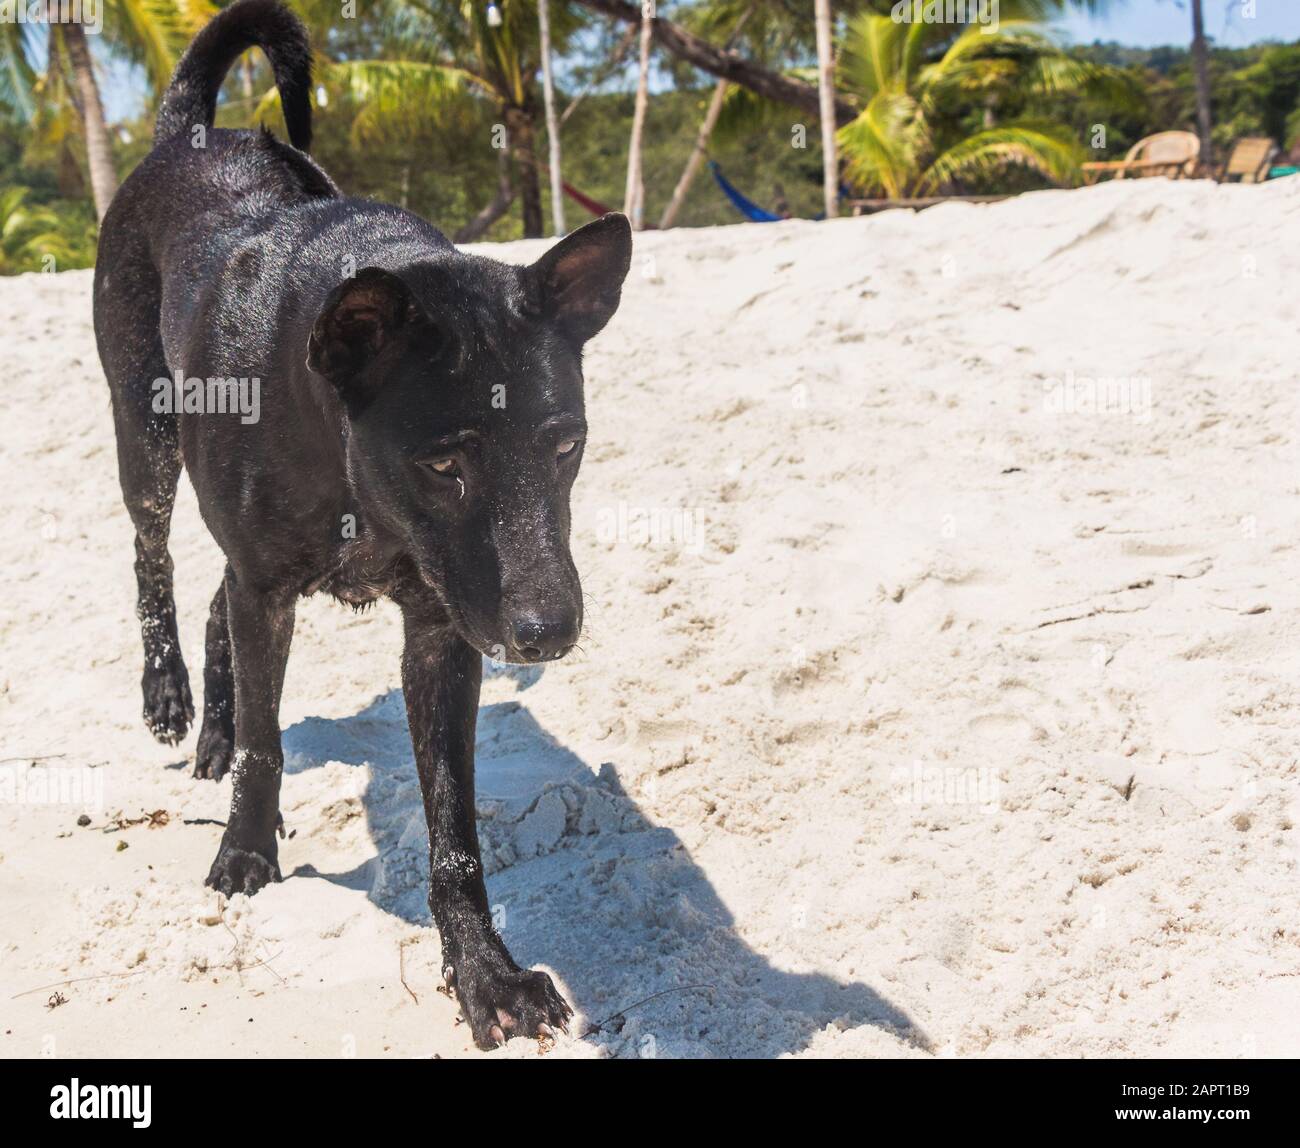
(358,576)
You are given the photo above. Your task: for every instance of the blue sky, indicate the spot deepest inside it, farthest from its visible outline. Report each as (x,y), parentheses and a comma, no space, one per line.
(1140,23)
(1147,23)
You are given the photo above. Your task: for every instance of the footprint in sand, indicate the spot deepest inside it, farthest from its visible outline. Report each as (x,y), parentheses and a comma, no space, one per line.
(997,727)
(1142,549)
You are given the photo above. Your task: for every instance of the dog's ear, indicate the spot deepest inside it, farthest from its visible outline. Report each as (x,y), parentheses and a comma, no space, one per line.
(360,317)
(581,277)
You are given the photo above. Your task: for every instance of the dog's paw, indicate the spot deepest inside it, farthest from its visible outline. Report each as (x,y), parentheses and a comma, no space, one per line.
(216,750)
(502,1002)
(239,870)
(168,705)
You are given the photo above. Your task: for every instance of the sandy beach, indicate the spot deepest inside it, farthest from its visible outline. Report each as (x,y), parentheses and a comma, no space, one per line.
(940,694)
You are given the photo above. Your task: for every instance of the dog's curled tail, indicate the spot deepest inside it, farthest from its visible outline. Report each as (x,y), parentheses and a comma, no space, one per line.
(191,97)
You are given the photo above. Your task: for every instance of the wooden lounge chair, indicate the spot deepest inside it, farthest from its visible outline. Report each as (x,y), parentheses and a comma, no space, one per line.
(1173,154)
(1250,160)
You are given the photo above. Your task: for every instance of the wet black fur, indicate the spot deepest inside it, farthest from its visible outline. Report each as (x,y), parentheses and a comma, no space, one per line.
(380,350)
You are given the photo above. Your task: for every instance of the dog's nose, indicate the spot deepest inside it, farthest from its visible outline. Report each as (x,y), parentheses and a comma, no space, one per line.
(541,637)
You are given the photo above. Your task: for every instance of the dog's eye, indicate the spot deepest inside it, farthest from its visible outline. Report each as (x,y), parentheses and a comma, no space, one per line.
(567,447)
(447,466)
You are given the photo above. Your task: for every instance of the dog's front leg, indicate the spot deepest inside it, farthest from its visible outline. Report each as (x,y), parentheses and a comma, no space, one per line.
(440,678)
(261,628)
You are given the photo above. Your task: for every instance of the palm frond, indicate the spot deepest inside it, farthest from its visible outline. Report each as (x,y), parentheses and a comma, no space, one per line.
(1046,148)
(880,146)
(391,97)
(1059,73)
(17,74)
(154,33)
(872,54)
(31,234)
(744,114)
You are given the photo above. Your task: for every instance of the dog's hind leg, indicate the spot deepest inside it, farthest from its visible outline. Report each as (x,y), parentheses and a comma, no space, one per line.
(217,734)
(148,464)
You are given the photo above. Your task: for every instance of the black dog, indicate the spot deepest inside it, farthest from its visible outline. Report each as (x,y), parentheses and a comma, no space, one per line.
(420,427)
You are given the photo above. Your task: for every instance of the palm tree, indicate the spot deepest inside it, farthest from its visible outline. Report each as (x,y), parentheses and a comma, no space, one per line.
(99,149)
(791,88)
(914,82)
(150,33)
(552,121)
(392,89)
(1201,66)
(633,199)
(826,106)
(444,54)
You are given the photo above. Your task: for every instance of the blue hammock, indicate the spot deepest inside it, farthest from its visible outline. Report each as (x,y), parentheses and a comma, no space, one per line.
(748,208)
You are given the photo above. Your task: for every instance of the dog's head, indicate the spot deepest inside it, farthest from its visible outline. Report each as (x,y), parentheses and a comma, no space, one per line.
(462,379)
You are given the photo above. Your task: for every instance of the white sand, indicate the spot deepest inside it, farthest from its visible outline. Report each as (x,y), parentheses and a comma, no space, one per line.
(941,716)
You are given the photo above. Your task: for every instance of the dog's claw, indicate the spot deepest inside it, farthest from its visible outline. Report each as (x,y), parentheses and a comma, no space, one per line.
(238,870)
(505,1002)
(168,705)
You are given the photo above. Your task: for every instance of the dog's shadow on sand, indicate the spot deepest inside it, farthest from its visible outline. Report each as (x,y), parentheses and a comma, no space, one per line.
(582,881)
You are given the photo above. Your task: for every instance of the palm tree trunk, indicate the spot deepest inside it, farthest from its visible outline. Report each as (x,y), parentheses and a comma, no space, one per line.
(634,196)
(552,121)
(523,142)
(702,140)
(696,157)
(826,104)
(1201,66)
(99,149)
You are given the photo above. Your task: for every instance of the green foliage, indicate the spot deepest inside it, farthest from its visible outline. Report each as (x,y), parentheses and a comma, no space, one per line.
(17,72)
(153,33)
(949,108)
(55,236)
(1255,91)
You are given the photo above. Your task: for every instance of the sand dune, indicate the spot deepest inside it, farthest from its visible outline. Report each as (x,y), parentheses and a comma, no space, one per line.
(940,696)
